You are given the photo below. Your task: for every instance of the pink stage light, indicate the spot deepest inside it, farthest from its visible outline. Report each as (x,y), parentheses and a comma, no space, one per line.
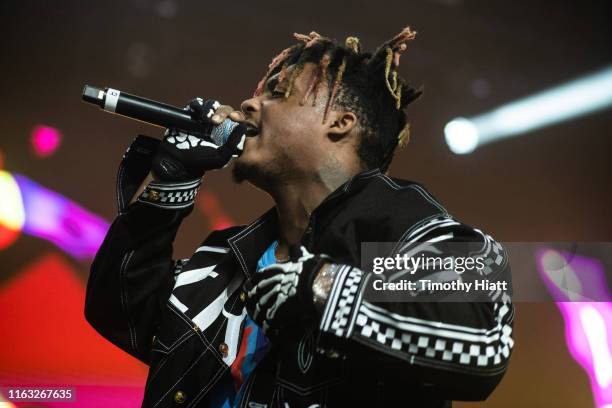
(53,217)
(38,211)
(27,207)
(588,324)
(45,140)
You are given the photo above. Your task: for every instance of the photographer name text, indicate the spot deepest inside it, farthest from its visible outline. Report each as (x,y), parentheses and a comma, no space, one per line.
(430,286)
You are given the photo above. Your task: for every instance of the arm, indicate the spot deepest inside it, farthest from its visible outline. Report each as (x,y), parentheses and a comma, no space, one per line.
(132,274)
(142,187)
(456,350)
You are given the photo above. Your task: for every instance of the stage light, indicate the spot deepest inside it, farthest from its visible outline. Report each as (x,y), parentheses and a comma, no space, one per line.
(6,404)
(209,204)
(594,327)
(12,214)
(579,97)
(57,219)
(573,281)
(461,136)
(27,207)
(45,140)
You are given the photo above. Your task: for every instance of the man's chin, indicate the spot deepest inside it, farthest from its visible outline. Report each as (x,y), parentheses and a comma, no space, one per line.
(260,174)
(243,171)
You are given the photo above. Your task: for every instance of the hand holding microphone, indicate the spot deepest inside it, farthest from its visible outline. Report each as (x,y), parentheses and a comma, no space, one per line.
(200,137)
(184,155)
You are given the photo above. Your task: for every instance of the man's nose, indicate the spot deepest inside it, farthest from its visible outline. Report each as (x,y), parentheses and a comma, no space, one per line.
(250,106)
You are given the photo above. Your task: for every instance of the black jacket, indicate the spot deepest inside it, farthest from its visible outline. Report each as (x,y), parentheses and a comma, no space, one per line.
(184,318)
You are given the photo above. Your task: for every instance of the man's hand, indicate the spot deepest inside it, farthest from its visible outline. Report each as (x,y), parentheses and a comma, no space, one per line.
(281,294)
(182,156)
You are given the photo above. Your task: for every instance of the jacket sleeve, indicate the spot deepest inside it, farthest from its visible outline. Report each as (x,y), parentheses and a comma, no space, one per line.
(132,274)
(455,349)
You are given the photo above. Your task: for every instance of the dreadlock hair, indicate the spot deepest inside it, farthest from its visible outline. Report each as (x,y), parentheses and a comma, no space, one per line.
(364,83)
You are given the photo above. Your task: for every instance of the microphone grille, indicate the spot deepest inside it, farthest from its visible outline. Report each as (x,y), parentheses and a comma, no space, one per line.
(222,131)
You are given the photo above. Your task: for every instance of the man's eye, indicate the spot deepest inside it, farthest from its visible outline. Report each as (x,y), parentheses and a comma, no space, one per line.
(278,93)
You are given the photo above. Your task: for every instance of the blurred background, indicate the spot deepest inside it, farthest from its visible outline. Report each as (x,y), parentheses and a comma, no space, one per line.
(547,181)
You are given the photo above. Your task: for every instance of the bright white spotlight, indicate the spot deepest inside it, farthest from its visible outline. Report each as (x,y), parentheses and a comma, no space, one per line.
(461,136)
(576,98)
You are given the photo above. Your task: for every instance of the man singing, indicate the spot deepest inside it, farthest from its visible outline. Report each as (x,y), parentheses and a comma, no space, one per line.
(276,313)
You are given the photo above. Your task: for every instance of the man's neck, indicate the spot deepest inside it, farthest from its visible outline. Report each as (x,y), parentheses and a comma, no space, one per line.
(294,204)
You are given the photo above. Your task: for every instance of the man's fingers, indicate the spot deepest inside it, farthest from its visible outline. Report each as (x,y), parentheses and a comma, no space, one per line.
(221,114)
(215,112)
(237,116)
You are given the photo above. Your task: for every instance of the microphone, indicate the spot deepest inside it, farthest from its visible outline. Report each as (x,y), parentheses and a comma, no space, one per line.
(154,113)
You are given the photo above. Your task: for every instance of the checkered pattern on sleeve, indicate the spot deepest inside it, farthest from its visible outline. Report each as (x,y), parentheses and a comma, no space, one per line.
(343,301)
(170,195)
(446,343)
(494,254)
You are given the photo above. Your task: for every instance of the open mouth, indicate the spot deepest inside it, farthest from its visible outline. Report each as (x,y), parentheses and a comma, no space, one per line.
(251,131)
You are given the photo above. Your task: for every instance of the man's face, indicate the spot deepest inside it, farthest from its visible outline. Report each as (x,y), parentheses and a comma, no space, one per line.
(290,140)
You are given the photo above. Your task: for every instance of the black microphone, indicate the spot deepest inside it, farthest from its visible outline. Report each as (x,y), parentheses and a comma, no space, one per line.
(154,113)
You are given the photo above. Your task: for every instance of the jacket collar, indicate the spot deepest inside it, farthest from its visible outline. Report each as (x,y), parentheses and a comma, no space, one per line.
(351,186)
(253,240)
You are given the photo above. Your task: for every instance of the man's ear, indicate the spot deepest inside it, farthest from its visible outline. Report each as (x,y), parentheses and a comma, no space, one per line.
(340,123)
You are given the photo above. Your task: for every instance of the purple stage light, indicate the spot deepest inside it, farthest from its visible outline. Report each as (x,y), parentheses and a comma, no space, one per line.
(45,140)
(588,325)
(571,277)
(53,217)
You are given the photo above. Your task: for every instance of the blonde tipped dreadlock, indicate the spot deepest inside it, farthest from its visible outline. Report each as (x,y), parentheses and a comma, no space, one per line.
(352,43)
(309,39)
(297,70)
(314,80)
(393,49)
(404,136)
(356,81)
(323,66)
(302,37)
(334,90)
(396,92)
(283,73)
(275,62)
(405,35)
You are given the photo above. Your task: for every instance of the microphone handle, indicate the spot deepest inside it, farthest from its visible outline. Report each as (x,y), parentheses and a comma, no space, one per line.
(145,110)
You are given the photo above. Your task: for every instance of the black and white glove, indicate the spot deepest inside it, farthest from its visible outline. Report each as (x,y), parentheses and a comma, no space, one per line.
(281,294)
(182,156)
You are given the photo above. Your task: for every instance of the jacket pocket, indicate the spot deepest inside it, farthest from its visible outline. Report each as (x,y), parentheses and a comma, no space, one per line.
(303,370)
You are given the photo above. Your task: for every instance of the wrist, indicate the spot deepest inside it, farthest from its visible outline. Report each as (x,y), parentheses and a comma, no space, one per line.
(170,195)
(142,187)
(322,285)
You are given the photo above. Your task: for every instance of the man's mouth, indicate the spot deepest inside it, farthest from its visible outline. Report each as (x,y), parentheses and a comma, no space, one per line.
(252,130)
